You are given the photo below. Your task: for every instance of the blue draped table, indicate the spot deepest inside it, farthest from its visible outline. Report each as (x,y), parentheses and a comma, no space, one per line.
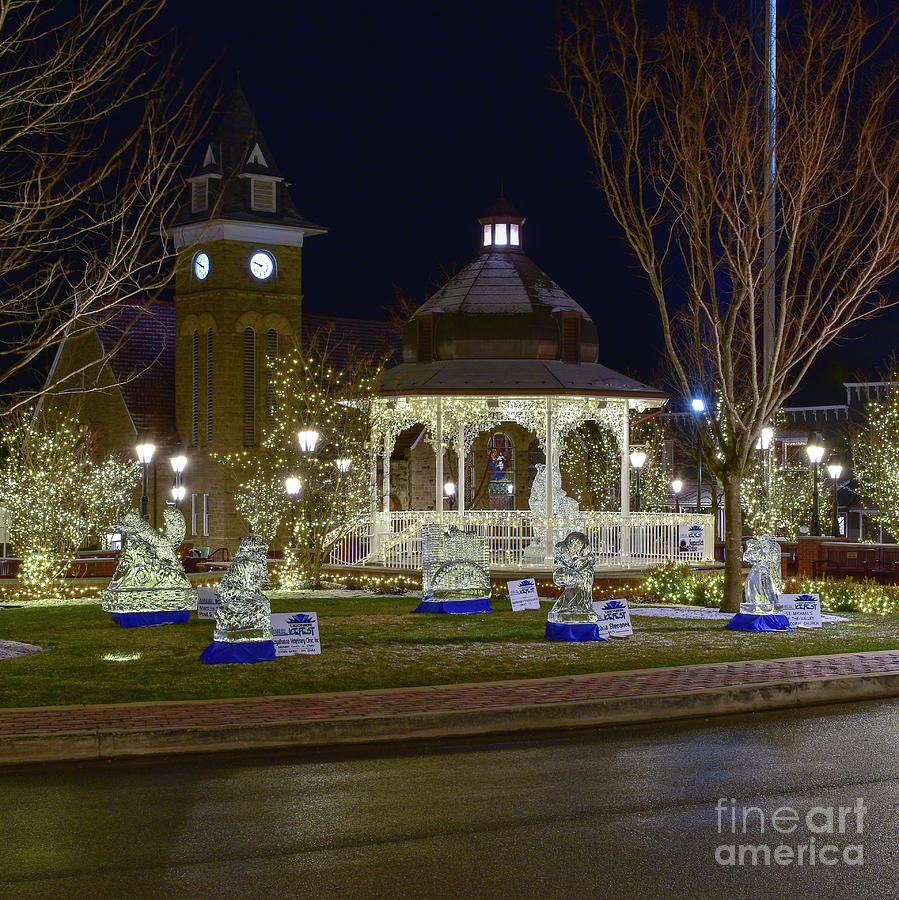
(142,620)
(456,607)
(749,622)
(239,652)
(560,632)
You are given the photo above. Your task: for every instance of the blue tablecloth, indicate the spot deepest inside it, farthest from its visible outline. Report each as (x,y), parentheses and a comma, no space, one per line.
(748,622)
(141,620)
(239,652)
(457,607)
(559,632)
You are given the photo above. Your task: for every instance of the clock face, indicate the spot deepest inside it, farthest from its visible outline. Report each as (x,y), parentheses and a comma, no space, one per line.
(262,265)
(201,265)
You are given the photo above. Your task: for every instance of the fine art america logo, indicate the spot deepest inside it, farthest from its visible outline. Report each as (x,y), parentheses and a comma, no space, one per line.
(817,836)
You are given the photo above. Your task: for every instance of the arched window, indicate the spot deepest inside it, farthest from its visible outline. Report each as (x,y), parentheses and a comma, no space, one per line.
(209,386)
(195,388)
(271,349)
(249,387)
(501,472)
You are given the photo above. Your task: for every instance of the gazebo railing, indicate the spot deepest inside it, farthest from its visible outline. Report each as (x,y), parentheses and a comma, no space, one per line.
(620,540)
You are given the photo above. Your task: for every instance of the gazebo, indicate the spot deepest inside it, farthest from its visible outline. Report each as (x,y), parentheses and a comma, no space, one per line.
(501,342)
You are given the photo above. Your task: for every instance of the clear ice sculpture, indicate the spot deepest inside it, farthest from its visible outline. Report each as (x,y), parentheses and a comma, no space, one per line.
(245,612)
(455,564)
(774,562)
(759,591)
(564,507)
(150,576)
(574,559)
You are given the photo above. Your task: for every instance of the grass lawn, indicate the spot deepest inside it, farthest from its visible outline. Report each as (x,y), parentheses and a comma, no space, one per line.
(369,643)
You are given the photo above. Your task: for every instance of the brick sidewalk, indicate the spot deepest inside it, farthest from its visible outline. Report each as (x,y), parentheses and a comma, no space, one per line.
(397,702)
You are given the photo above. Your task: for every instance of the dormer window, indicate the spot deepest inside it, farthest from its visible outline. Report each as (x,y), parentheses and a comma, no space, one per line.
(262,194)
(199,195)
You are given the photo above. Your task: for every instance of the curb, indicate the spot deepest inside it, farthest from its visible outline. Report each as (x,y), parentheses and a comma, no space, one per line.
(118,743)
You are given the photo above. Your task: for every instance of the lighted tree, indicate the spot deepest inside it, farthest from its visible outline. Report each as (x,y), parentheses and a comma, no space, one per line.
(675,117)
(94,128)
(327,389)
(875,451)
(56,494)
(591,465)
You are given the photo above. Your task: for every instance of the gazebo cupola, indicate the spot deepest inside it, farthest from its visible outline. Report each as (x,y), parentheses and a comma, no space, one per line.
(501,227)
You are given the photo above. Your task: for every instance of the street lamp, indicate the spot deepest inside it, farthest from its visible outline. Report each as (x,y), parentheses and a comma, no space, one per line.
(815,453)
(676,487)
(765,438)
(308,439)
(698,405)
(179,462)
(145,451)
(343,465)
(292,485)
(449,491)
(834,469)
(638,458)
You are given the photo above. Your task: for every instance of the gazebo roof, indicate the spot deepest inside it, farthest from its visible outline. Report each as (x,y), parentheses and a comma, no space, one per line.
(512,377)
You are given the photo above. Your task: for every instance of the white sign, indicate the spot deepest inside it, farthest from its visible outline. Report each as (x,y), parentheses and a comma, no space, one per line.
(615,615)
(690,539)
(207,601)
(295,633)
(523,594)
(803,610)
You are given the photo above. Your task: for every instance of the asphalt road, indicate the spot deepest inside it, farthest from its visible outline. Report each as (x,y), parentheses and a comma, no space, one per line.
(628,812)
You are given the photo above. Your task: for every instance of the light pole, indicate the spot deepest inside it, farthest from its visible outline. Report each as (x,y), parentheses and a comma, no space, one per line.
(815,453)
(834,469)
(145,451)
(638,458)
(676,487)
(698,405)
(764,443)
(178,461)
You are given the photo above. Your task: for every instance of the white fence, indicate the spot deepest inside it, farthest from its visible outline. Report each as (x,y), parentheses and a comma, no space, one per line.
(620,540)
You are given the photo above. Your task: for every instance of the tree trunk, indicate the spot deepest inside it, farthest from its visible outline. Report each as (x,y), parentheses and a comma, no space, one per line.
(733,545)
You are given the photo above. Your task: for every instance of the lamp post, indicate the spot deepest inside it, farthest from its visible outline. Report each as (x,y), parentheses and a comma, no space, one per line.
(676,487)
(638,458)
(145,451)
(815,453)
(343,465)
(834,469)
(178,461)
(449,491)
(764,443)
(698,405)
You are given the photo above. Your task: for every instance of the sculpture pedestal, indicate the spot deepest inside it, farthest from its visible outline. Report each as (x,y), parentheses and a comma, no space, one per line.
(239,652)
(143,619)
(455,607)
(559,631)
(749,622)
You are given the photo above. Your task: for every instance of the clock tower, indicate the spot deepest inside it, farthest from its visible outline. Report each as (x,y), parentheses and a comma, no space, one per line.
(238,299)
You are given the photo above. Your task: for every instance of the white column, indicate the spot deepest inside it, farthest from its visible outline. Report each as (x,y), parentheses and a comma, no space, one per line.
(385,478)
(550,460)
(460,466)
(438,461)
(626,463)
(626,482)
(375,531)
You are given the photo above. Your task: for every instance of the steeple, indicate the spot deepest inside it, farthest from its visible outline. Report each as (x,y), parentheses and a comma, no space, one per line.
(237,177)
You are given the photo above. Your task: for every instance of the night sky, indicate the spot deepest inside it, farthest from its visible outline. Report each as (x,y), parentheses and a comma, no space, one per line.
(398,122)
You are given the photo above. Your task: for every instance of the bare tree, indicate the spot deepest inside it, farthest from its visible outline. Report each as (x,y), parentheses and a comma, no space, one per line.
(94,128)
(675,118)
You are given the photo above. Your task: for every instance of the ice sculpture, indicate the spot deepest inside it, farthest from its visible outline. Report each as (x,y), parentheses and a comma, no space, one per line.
(245,612)
(574,560)
(564,507)
(455,564)
(455,571)
(149,586)
(774,562)
(759,592)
